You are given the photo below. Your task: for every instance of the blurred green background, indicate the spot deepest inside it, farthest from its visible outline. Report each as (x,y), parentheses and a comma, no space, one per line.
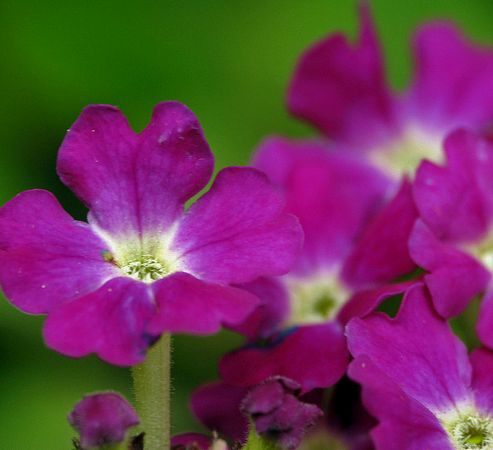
(229,61)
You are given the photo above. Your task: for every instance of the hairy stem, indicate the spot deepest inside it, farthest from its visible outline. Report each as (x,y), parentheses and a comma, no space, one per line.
(152,383)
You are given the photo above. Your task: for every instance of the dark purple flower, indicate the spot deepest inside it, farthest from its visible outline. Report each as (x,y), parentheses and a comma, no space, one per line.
(453,238)
(278,414)
(342,90)
(143,265)
(418,381)
(273,405)
(102,419)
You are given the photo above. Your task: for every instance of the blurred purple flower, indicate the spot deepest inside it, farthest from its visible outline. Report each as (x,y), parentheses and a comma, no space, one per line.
(102,419)
(355,249)
(453,238)
(342,90)
(419,382)
(143,265)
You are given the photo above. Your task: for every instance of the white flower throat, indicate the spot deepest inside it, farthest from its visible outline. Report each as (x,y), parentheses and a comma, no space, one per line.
(316,299)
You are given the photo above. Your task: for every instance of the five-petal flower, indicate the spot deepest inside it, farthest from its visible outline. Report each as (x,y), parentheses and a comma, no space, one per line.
(143,265)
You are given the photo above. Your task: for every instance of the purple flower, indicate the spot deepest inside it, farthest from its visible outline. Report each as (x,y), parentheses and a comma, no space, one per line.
(277,412)
(143,265)
(342,90)
(355,248)
(102,419)
(274,407)
(419,382)
(452,240)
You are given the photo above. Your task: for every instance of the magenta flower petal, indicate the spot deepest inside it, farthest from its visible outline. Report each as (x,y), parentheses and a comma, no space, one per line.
(332,193)
(404,422)
(111,322)
(453,84)
(341,89)
(270,314)
(440,372)
(217,406)
(189,305)
(456,201)
(46,256)
(455,278)
(291,356)
(482,367)
(238,230)
(382,255)
(190,441)
(102,419)
(131,182)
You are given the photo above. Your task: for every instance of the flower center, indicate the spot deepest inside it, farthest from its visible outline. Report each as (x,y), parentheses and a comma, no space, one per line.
(145,268)
(315,299)
(483,251)
(405,153)
(472,432)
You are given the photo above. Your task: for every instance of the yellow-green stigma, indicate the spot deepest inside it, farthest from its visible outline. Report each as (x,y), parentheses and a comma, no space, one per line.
(145,268)
(472,432)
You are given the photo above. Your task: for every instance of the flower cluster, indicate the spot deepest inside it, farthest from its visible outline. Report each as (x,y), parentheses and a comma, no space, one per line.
(298,253)
(396,201)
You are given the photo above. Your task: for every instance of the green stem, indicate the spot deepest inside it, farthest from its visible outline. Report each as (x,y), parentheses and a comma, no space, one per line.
(152,382)
(255,442)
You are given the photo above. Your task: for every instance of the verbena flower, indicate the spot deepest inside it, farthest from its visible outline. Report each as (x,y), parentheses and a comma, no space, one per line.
(342,90)
(277,412)
(102,419)
(143,265)
(273,406)
(419,382)
(355,248)
(453,240)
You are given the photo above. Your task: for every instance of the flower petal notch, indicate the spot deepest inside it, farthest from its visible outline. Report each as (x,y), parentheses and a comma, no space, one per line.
(143,264)
(341,89)
(102,419)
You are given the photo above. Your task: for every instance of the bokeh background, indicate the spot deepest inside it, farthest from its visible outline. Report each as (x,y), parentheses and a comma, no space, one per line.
(230,61)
